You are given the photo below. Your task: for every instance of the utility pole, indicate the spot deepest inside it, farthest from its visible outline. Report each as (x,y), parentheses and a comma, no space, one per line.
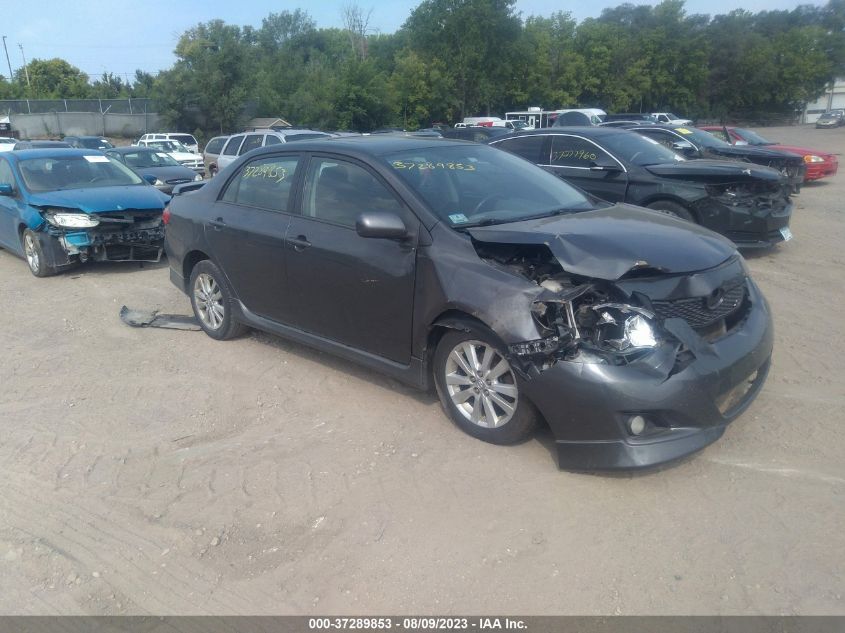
(25,69)
(7,59)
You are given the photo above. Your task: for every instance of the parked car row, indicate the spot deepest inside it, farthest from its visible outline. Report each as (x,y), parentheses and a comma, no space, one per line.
(515,277)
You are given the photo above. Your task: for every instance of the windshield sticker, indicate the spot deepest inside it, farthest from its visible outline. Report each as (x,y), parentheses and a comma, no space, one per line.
(423,166)
(577,154)
(458,218)
(96,159)
(272,172)
(683,130)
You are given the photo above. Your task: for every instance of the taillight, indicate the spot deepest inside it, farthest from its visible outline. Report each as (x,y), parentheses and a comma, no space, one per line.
(165,215)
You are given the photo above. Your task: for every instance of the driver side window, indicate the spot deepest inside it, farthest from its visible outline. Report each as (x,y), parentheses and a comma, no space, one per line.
(571,151)
(6,175)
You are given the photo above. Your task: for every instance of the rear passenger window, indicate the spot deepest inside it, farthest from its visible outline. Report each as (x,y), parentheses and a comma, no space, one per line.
(271,139)
(231,148)
(529,147)
(264,183)
(214,146)
(252,141)
(571,151)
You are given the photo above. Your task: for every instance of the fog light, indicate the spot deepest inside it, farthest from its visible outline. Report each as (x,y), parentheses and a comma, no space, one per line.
(636,424)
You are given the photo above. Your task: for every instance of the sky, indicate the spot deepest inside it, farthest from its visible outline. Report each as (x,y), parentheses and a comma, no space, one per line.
(119,36)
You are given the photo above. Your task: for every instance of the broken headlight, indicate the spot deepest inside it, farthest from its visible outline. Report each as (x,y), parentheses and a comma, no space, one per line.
(622,327)
(69,220)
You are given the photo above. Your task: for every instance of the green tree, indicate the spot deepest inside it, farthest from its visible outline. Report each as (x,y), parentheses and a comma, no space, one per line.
(53,79)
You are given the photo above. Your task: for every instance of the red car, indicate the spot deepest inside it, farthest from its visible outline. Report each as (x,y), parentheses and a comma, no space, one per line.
(819,164)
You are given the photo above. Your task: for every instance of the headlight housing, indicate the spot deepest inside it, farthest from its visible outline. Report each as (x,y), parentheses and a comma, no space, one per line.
(198,177)
(624,328)
(71,220)
(812,158)
(158,182)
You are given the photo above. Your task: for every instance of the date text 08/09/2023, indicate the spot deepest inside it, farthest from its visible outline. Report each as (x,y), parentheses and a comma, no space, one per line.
(417,623)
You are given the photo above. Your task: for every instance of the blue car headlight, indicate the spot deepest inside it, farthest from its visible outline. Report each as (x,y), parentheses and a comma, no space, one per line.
(71,220)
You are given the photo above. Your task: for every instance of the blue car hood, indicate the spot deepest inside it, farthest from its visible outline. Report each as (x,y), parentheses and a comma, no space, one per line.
(103,199)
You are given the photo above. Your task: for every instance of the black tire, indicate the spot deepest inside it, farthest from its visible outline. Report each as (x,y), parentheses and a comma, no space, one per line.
(672,208)
(33,254)
(213,312)
(524,420)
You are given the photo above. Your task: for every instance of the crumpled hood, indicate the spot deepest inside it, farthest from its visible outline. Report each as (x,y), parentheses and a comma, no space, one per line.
(103,199)
(170,172)
(715,171)
(607,243)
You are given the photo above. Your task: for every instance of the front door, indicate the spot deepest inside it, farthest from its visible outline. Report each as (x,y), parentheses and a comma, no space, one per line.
(350,289)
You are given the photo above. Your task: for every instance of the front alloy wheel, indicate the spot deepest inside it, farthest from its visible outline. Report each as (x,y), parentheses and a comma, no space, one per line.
(35,255)
(481,384)
(479,389)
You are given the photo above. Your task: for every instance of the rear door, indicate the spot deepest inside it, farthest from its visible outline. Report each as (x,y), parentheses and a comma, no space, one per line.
(587,165)
(246,232)
(350,289)
(9,209)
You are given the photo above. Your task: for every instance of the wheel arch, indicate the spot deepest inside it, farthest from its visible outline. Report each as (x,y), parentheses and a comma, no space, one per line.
(191,259)
(662,197)
(452,319)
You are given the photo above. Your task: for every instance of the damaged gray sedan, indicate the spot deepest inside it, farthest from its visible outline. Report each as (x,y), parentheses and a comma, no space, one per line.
(635,336)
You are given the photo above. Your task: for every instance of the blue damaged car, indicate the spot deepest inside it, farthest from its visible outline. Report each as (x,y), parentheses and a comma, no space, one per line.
(59,207)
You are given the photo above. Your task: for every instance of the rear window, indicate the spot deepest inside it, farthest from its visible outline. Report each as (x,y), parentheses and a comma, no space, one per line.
(215,145)
(186,139)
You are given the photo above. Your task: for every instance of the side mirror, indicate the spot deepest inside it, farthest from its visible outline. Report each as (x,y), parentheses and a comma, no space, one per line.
(381,225)
(7,190)
(605,165)
(150,178)
(685,148)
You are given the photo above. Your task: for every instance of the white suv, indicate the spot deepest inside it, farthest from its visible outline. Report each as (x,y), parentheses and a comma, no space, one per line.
(187,140)
(177,152)
(239,144)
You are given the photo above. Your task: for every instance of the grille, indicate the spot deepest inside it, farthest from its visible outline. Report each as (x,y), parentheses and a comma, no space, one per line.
(179,181)
(702,312)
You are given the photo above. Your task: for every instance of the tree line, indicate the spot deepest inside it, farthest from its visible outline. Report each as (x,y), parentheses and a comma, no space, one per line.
(456,58)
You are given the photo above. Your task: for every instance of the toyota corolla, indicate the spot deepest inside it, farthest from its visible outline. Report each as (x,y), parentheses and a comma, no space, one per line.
(635,336)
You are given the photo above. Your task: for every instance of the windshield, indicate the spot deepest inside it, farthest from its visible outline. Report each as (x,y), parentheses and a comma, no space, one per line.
(672,117)
(149,158)
(95,143)
(702,138)
(753,138)
(471,185)
(169,146)
(186,139)
(75,172)
(639,150)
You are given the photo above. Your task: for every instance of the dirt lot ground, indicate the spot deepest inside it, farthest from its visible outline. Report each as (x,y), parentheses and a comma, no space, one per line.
(156,471)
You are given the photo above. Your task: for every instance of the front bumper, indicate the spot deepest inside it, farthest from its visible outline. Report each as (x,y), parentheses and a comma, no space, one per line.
(63,247)
(587,406)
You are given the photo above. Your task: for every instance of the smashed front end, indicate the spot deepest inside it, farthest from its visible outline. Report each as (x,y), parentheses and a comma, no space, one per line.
(69,236)
(643,369)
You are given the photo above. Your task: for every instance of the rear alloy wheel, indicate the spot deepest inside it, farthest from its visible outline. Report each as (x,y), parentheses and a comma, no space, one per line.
(35,255)
(672,208)
(479,389)
(212,301)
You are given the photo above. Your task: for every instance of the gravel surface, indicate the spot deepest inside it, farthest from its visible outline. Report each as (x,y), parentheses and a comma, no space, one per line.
(159,471)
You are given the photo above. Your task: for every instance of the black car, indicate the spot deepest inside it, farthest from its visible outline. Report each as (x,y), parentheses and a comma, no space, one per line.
(157,167)
(695,143)
(635,336)
(88,142)
(747,203)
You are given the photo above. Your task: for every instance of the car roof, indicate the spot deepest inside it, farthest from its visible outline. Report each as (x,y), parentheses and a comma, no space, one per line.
(592,130)
(377,145)
(51,152)
(131,148)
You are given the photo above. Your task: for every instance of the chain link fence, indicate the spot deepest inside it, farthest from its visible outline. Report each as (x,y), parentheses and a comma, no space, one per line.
(101,106)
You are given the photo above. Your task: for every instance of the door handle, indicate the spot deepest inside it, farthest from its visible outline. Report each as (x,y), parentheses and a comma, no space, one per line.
(300,243)
(218,224)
